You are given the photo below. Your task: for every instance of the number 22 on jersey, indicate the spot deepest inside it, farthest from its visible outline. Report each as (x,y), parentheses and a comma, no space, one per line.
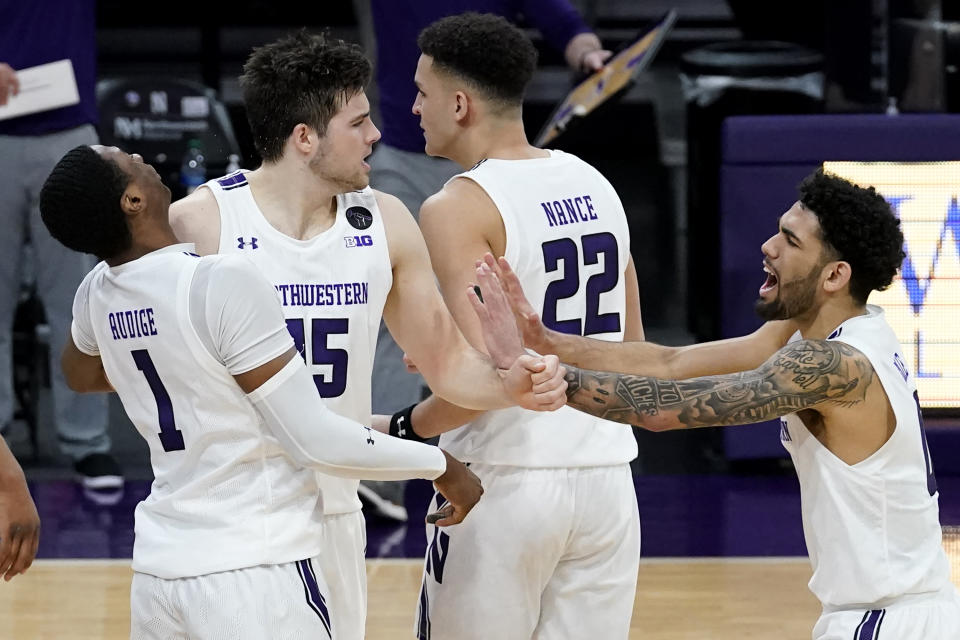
(565,250)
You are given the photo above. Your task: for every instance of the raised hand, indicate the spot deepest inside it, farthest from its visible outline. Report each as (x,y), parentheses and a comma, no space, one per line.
(535,383)
(462,490)
(497,322)
(532,330)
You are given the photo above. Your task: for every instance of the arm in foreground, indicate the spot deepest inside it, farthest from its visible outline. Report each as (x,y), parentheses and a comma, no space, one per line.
(316,437)
(422,325)
(690,361)
(808,374)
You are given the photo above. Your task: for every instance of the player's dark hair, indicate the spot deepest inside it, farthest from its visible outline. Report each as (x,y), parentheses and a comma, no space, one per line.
(301,78)
(485,50)
(80,204)
(859,226)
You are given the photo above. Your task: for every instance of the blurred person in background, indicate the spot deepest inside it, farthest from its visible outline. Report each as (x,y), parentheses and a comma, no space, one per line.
(33,34)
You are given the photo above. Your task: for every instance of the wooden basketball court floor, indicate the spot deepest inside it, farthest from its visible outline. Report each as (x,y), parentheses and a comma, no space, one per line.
(677,599)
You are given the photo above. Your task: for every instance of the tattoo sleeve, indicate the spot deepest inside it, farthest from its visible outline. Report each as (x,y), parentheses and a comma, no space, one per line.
(801,375)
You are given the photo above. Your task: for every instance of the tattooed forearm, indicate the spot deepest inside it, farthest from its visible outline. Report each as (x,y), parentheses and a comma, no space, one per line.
(799,376)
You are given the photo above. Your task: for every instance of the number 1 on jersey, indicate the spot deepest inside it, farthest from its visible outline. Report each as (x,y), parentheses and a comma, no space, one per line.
(170,437)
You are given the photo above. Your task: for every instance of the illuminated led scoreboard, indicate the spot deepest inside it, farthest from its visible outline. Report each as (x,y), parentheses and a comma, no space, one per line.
(923,303)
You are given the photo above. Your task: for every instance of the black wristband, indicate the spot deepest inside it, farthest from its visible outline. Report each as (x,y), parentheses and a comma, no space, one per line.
(401,425)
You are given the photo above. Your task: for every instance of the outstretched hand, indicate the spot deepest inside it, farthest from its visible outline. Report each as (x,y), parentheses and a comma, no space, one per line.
(504,284)
(533,382)
(500,333)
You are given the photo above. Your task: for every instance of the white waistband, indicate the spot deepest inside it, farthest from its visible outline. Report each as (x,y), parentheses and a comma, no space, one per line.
(947,593)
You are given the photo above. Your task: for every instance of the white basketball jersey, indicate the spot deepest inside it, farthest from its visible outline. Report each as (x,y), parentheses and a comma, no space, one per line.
(225,495)
(332,288)
(568,241)
(873,528)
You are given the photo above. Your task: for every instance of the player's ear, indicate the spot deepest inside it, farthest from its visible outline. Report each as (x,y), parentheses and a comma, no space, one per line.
(303,138)
(838,275)
(133,200)
(461,106)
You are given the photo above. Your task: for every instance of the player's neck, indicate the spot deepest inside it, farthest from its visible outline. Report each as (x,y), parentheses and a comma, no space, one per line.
(495,139)
(293,199)
(828,317)
(144,243)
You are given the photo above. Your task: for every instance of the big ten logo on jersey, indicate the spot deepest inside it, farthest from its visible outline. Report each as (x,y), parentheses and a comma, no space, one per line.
(923,302)
(358,241)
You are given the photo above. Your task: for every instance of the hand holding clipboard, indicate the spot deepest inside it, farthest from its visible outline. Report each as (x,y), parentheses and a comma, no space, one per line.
(616,75)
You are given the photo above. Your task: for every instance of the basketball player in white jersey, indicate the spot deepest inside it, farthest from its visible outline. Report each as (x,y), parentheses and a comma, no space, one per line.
(555,550)
(850,414)
(339,255)
(201,358)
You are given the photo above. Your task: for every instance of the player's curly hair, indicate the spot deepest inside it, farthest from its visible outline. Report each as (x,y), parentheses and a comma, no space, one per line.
(301,78)
(80,204)
(859,225)
(484,49)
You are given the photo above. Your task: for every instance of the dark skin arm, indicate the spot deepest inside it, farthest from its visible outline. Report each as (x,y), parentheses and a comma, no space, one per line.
(808,374)
(83,373)
(19,522)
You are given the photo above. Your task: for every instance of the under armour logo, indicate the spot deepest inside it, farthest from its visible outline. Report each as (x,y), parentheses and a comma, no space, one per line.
(369,436)
(241,243)
(401,430)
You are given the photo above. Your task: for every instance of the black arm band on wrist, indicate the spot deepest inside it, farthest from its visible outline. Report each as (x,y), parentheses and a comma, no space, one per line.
(401,425)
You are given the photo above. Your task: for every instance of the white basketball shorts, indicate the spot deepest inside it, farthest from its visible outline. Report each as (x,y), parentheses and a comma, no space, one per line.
(928,617)
(546,554)
(268,601)
(343,561)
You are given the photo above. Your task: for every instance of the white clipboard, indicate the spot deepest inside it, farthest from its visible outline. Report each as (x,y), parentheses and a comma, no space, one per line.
(44,87)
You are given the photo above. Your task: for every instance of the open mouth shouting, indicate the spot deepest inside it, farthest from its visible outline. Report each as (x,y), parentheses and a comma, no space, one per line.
(770,283)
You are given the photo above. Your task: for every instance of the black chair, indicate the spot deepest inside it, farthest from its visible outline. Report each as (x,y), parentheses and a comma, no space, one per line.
(157,117)
(30,345)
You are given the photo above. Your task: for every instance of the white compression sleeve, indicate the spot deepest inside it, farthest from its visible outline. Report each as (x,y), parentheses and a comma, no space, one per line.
(318,438)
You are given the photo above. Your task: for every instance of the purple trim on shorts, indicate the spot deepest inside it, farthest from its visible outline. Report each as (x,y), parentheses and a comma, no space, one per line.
(869,627)
(423,612)
(311,590)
